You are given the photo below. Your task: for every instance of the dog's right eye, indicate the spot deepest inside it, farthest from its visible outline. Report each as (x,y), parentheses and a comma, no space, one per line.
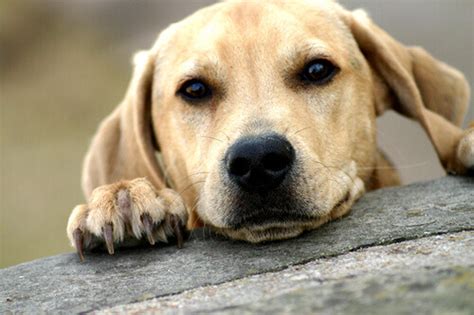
(319,72)
(194,90)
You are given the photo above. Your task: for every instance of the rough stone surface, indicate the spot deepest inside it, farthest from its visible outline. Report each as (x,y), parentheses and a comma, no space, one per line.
(414,277)
(61,283)
(442,291)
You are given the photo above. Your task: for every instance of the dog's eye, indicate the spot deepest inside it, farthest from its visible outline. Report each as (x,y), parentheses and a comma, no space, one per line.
(319,71)
(194,90)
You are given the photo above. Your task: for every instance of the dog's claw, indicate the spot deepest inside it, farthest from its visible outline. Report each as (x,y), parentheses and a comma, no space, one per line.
(148,226)
(178,230)
(79,243)
(161,235)
(108,237)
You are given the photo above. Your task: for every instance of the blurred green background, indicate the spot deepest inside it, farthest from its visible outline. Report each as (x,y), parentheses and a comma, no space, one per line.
(64,65)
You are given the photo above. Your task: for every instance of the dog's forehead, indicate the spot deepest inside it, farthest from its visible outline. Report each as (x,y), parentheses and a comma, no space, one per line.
(231,27)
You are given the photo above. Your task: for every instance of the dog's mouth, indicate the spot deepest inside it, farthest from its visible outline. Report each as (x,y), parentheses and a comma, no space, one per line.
(270,224)
(270,218)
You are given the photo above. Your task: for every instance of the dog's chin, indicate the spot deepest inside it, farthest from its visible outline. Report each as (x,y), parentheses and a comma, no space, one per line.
(271,232)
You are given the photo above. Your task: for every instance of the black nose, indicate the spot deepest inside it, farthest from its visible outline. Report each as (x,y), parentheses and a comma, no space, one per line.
(259,164)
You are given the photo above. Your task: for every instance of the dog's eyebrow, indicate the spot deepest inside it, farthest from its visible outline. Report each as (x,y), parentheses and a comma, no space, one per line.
(308,50)
(203,68)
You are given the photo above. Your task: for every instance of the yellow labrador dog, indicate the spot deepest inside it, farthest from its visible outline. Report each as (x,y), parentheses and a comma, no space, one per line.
(257,119)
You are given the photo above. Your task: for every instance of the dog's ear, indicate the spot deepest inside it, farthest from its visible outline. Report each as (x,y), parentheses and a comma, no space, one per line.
(410,81)
(124,145)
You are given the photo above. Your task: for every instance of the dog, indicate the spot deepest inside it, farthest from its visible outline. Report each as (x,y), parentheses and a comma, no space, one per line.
(257,119)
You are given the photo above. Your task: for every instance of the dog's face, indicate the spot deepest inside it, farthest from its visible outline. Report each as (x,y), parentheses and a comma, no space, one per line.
(265,111)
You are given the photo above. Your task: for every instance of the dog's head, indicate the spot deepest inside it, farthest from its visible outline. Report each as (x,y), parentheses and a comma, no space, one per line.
(264,111)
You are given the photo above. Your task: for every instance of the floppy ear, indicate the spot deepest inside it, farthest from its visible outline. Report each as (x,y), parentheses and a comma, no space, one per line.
(410,81)
(123,147)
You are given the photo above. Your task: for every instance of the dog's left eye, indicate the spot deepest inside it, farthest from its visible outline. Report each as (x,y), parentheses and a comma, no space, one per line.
(194,90)
(319,71)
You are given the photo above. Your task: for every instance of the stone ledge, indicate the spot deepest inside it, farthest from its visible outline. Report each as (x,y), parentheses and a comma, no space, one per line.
(61,283)
(440,276)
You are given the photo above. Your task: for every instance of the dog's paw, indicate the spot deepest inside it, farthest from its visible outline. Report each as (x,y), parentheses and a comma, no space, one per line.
(465,151)
(127,211)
